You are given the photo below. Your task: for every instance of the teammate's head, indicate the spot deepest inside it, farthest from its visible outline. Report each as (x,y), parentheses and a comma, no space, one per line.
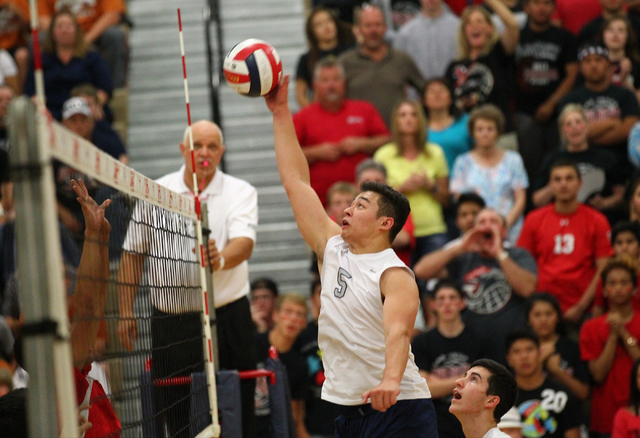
(208,148)
(619,280)
(391,203)
(523,352)
(467,209)
(486,386)
(339,197)
(290,315)
(564,181)
(625,238)
(448,300)
(371,170)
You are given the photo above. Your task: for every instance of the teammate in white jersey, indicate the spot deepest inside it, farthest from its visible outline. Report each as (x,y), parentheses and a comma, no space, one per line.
(369,298)
(480,399)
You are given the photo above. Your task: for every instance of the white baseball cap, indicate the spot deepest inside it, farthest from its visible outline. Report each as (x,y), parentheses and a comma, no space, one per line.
(75,105)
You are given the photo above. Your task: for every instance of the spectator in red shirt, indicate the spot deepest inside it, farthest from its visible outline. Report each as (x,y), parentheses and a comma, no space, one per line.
(609,344)
(569,241)
(336,133)
(626,423)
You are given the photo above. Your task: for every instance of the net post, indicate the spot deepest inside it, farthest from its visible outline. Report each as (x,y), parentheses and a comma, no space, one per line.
(210,338)
(46,327)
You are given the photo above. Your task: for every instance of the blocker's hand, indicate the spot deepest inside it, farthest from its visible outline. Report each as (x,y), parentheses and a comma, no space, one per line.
(383,396)
(278,98)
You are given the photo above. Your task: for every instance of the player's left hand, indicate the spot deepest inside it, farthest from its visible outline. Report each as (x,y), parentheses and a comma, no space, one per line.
(383,396)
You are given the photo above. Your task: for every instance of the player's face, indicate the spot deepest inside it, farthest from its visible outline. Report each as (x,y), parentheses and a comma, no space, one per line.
(291,319)
(80,124)
(324,27)
(64,30)
(626,243)
(524,357)
(574,129)
(407,119)
(540,11)
(329,85)
(466,216)
(477,30)
(208,149)
(372,175)
(360,220)
(594,68)
(485,133)
(437,96)
(618,287)
(372,27)
(564,184)
(338,204)
(543,319)
(615,35)
(470,394)
(448,304)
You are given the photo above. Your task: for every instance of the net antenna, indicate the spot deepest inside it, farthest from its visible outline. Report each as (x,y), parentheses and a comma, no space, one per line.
(212,430)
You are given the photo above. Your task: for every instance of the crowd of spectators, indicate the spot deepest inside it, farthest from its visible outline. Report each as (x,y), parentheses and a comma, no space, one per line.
(506,125)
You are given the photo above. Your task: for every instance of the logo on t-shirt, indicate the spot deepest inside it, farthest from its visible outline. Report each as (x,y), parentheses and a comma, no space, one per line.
(602,108)
(355,120)
(486,289)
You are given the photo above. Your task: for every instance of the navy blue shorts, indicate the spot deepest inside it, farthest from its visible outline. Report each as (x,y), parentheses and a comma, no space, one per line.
(407,418)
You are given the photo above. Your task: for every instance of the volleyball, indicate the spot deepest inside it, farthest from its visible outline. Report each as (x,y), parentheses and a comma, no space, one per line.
(252,68)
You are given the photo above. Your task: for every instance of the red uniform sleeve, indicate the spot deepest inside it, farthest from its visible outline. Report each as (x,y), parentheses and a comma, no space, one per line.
(590,346)
(602,243)
(376,123)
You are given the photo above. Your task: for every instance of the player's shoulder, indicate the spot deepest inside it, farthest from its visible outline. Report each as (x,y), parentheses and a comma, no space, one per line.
(540,213)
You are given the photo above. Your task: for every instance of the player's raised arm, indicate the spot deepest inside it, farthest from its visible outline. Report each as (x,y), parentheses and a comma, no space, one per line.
(314,224)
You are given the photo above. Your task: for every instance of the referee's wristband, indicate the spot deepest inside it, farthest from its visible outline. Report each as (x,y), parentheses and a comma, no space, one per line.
(221,266)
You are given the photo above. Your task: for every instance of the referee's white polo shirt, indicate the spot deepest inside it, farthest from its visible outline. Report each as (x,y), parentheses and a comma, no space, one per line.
(233,212)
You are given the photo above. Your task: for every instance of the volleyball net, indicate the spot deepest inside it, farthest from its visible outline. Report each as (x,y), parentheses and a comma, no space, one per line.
(153,352)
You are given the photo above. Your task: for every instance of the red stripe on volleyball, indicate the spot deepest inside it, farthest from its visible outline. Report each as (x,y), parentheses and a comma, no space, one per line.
(236,78)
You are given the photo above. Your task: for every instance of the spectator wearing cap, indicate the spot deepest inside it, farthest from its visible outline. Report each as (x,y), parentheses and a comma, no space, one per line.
(510,423)
(610,109)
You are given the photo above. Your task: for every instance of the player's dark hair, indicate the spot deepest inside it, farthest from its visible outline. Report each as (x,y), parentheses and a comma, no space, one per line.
(265,283)
(624,262)
(501,384)
(13,413)
(448,283)
(634,392)
(626,227)
(470,197)
(519,334)
(565,163)
(544,297)
(391,203)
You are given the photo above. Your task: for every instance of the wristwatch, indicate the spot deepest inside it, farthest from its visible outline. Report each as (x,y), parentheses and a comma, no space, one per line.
(503,255)
(631,341)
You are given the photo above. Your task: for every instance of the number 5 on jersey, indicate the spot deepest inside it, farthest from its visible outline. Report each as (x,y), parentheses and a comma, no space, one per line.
(340,291)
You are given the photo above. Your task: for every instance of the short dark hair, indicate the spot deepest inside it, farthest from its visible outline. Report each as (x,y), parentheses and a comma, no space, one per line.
(265,283)
(470,197)
(564,163)
(623,262)
(626,227)
(448,283)
(13,413)
(501,384)
(391,203)
(490,112)
(544,297)
(519,334)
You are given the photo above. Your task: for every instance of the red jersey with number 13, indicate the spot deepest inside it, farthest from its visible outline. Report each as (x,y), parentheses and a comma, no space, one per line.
(566,247)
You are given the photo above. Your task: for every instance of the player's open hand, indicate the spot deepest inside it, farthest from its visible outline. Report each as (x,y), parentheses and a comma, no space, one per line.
(278,98)
(95,221)
(383,396)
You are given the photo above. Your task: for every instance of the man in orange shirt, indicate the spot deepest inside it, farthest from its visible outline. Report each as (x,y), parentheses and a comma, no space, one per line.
(99,21)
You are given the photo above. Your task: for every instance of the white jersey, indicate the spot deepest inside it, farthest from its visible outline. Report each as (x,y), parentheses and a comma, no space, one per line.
(495,433)
(351,335)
